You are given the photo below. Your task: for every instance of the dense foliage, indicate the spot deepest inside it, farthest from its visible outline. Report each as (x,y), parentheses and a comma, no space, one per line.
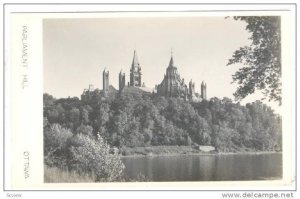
(261,61)
(80,153)
(132,120)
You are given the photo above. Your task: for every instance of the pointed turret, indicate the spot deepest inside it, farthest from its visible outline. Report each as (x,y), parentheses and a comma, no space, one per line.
(135,61)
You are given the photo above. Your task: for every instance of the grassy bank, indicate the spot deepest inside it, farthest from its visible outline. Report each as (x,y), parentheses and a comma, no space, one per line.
(161,150)
(56,175)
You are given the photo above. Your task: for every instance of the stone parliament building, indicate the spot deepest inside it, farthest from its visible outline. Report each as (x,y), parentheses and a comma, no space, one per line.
(172,84)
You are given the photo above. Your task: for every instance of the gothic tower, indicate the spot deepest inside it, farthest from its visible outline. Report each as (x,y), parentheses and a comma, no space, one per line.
(121,80)
(135,72)
(203,90)
(105,82)
(191,89)
(171,82)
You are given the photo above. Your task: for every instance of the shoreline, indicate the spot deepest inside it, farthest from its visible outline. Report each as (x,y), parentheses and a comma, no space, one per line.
(201,154)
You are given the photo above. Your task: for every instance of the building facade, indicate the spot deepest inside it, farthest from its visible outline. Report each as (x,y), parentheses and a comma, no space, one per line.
(172,84)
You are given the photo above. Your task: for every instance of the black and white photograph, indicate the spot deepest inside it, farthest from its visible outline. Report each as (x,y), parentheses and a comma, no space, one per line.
(108,100)
(162,98)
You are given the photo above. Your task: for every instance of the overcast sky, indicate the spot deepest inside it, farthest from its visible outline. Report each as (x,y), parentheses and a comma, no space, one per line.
(77,50)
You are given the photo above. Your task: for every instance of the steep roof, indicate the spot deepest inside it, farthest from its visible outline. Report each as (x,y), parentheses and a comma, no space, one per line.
(132,89)
(171,64)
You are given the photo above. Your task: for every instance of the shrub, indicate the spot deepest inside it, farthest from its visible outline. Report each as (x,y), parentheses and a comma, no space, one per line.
(88,155)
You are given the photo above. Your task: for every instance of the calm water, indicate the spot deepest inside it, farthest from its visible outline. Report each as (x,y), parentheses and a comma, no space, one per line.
(206,168)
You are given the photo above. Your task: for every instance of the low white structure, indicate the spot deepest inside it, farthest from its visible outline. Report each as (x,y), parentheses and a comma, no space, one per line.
(205,148)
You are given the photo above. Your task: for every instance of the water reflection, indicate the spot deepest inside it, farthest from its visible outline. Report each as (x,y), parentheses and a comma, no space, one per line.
(205,168)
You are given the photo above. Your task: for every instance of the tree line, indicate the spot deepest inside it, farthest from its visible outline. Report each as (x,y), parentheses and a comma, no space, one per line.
(140,119)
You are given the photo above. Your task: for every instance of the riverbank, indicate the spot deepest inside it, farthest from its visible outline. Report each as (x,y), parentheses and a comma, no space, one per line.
(57,175)
(178,150)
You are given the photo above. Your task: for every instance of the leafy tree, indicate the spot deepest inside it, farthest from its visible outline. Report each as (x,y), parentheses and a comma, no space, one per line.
(55,139)
(101,117)
(261,61)
(74,117)
(85,129)
(118,128)
(89,155)
(201,131)
(133,136)
(159,130)
(52,115)
(84,116)
(48,100)
(223,138)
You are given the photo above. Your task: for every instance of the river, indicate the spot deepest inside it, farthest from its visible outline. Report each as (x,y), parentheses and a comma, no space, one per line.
(229,167)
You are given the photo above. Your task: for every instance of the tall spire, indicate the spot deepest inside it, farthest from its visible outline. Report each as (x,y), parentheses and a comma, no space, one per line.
(171,64)
(135,61)
(135,71)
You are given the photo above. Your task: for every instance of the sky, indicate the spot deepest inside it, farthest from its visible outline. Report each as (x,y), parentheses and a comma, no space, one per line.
(76,51)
